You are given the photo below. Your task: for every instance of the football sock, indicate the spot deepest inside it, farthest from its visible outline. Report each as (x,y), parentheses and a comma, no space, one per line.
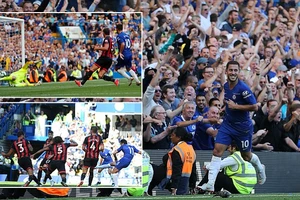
(123,73)
(256,163)
(108,78)
(133,74)
(214,169)
(86,77)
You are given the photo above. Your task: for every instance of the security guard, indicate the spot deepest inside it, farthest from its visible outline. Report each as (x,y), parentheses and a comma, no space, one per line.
(238,176)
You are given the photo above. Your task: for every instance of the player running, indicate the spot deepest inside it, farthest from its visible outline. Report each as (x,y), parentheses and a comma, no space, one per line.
(129,152)
(22,147)
(125,56)
(19,78)
(103,62)
(58,162)
(92,145)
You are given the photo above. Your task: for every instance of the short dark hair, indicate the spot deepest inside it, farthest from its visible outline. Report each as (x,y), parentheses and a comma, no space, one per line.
(232,62)
(20,133)
(119,27)
(106,31)
(166,87)
(183,134)
(94,129)
(212,100)
(123,141)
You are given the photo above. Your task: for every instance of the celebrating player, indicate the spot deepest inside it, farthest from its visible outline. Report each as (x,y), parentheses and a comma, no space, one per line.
(92,145)
(237,126)
(22,147)
(19,78)
(58,162)
(104,61)
(125,56)
(128,151)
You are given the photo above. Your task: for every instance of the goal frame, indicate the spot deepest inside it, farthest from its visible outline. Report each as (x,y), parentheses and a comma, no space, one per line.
(22,22)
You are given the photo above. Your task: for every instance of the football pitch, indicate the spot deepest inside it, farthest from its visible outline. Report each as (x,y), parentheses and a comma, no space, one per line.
(202,197)
(92,88)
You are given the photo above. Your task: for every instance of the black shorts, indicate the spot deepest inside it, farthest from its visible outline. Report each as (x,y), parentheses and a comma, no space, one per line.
(90,162)
(45,161)
(25,163)
(59,165)
(104,62)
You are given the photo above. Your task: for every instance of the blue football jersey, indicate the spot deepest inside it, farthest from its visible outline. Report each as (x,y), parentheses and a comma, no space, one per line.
(128,150)
(124,38)
(241,95)
(106,155)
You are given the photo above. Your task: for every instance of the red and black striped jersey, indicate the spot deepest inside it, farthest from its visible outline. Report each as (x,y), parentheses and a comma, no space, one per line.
(60,151)
(49,152)
(21,148)
(92,144)
(107,53)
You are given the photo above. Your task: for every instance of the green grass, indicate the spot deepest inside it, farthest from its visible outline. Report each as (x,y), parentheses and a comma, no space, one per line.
(93,88)
(233,197)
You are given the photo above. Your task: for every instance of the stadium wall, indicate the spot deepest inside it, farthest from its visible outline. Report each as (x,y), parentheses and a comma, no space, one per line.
(282,169)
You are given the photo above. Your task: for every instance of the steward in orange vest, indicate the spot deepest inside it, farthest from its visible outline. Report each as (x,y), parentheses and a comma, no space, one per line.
(62,76)
(181,162)
(49,192)
(48,75)
(34,75)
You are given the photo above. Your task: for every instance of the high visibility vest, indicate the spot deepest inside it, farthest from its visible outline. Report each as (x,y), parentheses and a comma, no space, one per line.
(34,76)
(145,178)
(244,178)
(48,75)
(64,78)
(62,192)
(188,157)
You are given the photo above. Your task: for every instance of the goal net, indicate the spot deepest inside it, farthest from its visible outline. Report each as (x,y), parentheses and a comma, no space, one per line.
(12,43)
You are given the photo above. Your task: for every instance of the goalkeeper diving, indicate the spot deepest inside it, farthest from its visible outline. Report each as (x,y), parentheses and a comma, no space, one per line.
(19,78)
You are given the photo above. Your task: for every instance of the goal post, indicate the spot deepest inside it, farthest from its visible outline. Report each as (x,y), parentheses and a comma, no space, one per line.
(13,33)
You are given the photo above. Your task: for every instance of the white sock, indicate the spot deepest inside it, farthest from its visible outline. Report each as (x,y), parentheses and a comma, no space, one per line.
(104,166)
(123,73)
(256,163)
(115,179)
(99,177)
(214,169)
(133,74)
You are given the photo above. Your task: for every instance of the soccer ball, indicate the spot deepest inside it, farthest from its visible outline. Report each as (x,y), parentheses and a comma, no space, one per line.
(2,74)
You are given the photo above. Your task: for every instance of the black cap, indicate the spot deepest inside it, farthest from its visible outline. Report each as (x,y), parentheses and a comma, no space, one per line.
(237,27)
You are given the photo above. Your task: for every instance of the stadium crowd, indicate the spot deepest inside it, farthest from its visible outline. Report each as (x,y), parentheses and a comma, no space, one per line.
(262,37)
(187,45)
(69,6)
(63,58)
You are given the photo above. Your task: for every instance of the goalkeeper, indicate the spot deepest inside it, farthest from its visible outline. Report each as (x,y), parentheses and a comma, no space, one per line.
(19,78)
